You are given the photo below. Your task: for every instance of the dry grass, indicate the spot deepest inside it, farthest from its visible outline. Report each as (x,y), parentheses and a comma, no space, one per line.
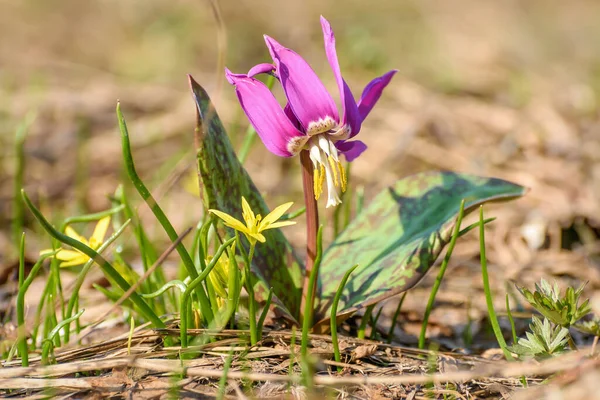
(148,369)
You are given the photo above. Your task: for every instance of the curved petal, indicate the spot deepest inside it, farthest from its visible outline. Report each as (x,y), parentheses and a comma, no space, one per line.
(257,236)
(292,117)
(372,93)
(69,255)
(248,214)
(266,115)
(263,68)
(230,221)
(274,215)
(74,262)
(281,224)
(305,92)
(351,116)
(100,231)
(72,233)
(351,150)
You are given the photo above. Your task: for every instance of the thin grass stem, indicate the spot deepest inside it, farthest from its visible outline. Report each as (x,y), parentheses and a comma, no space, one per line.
(23,286)
(511,320)
(223,380)
(83,273)
(365,320)
(488,293)
(49,341)
(91,217)
(395,318)
(185,299)
(333,315)
(263,314)
(130,337)
(307,320)
(440,276)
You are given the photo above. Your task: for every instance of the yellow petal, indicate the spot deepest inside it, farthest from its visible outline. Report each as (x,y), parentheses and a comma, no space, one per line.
(72,263)
(73,234)
(46,251)
(99,232)
(217,285)
(247,213)
(230,221)
(280,224)
(256,236)
(274,215)
(68,255)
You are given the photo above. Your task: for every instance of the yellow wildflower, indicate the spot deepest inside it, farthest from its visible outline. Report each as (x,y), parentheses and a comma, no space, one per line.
(219,276)
(70,258)
(255,224)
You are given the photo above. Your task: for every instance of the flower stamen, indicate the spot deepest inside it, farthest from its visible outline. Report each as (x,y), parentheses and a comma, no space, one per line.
(318,182)
(328,168)
(344,178)
(334,167)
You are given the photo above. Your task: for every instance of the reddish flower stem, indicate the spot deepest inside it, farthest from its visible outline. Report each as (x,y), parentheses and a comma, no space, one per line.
(312,225)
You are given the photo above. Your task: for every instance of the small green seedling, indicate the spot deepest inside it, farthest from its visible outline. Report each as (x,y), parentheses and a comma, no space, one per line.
(563,311)
(544,341)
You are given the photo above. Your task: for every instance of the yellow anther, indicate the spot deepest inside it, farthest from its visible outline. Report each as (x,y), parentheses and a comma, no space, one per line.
(334,172)
(321,178)
(343,177)
(316,181)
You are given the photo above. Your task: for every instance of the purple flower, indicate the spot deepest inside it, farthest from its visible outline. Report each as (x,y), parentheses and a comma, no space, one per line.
(310,120)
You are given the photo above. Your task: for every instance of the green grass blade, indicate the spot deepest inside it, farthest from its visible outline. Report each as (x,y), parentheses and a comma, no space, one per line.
(488,293)
(333,320)
(511,320)
(91,217)
(23,286)
(101,261)
(265,311)
(159,214)
(171,284)
(395,318)
(307,322)
(440,276)
(84,271)
(48,342)
(185,299)
(223,380)
(365,320)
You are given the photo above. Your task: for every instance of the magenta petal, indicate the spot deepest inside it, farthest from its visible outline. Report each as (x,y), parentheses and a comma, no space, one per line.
(372,93)
(351,115)
(290,114)
(263,68)
(351,150)
(305,92)
(265,114)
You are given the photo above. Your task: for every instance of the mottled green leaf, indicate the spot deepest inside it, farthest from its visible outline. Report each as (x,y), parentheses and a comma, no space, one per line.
(223,183)
(399,236)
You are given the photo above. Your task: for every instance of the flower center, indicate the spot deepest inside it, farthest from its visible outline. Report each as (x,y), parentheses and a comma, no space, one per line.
(321,126)
(328,168)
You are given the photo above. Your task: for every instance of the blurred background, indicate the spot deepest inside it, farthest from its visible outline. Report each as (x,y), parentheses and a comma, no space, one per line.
(507,89)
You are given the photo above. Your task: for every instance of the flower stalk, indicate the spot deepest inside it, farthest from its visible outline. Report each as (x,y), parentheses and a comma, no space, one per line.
(312,225)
